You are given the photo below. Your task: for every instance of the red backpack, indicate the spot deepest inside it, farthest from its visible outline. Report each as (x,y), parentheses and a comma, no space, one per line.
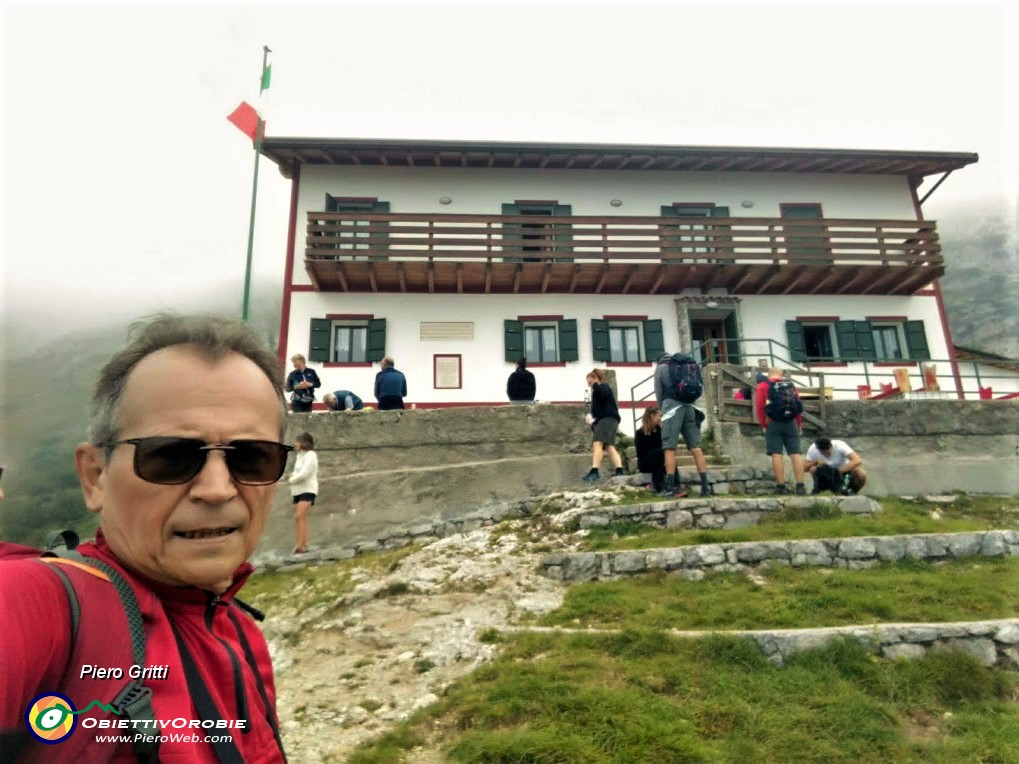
(100,638)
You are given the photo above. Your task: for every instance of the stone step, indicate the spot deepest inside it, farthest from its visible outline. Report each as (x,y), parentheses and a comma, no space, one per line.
(993,643)
(684,458)
(717,512)
(731,479)
(854,552)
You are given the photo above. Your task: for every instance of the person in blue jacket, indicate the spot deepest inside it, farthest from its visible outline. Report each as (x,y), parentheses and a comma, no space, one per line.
(390,386)
(342,400)
(301,384)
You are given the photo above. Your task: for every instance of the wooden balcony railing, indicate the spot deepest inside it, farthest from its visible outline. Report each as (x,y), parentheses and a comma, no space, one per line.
(514,253)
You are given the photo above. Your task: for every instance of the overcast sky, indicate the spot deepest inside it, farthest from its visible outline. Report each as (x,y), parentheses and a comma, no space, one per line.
(126,186)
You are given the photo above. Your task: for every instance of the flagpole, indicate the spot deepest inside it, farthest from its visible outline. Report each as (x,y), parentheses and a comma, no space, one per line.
(254,196)
(251,222)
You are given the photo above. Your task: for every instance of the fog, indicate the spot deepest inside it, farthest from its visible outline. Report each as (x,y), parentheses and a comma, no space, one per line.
(126,190)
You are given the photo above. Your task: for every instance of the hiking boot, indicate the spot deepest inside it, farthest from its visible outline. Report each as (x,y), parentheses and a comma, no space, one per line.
(801,490)
(781,489)
(707,490)
(672,493)
(592,476)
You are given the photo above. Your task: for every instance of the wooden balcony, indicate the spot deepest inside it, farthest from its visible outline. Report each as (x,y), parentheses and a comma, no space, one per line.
(524,254)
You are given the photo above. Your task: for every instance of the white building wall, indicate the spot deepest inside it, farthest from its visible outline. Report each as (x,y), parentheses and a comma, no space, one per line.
(483,191)
(484,368)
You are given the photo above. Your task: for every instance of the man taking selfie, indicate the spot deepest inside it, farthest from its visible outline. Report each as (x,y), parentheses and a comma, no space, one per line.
(181,469)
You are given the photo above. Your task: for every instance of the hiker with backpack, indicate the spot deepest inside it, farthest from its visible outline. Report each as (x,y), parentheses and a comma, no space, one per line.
(678,383)
(110,648)
(604,425)
(780,413)
(835,467)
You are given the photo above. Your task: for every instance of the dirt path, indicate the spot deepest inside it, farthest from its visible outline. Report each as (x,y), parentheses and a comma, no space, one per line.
(348,671)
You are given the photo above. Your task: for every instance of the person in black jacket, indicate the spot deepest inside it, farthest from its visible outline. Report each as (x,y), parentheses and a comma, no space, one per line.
(648,441)
(301,384)
(520,386)
(604,418)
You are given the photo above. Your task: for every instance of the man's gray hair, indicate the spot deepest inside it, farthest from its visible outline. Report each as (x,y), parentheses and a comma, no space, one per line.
(212,336)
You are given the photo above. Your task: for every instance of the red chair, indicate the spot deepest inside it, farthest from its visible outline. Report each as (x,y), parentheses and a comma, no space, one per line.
(986,394)
(863,391)
(887,387)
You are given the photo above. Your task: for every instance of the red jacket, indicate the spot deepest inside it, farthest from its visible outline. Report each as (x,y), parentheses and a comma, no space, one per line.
(761,400)
(35,653)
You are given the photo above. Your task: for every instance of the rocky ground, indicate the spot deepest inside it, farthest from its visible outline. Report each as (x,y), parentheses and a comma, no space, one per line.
(348,670)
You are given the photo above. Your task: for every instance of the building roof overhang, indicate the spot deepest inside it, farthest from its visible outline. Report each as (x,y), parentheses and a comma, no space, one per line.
(289,153)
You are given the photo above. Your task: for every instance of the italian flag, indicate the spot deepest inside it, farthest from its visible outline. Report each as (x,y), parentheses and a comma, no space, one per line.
(245,117)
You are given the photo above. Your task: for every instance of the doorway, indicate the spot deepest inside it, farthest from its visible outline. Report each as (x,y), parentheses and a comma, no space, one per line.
(715,340)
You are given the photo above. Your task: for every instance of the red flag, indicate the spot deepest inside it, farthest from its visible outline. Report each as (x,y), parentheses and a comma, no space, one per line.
(246,119)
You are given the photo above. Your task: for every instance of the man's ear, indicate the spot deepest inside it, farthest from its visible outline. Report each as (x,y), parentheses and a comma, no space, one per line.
(90,465)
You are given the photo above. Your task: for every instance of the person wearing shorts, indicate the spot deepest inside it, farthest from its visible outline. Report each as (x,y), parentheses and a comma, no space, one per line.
(780,437)
(679,420)
(604,425)
(303,487)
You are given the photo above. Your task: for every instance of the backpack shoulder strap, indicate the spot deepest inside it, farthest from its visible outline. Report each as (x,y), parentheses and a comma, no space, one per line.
(134,701)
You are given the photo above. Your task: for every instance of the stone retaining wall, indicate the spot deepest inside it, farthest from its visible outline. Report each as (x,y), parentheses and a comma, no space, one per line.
(855,553)
(990,642)
(718,512)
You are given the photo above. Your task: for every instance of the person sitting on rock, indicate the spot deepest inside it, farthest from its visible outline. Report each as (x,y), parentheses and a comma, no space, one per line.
(648,442)
(835,466)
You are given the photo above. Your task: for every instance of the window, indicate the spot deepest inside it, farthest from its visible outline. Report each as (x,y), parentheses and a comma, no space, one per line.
(842,341)
(627,339)
(805,243)
(887,345)
(355,235)
(540,345)
(691,239)
(538,237)
(541,339)
(818,342)
(350,343)
(344,339)
(624,344)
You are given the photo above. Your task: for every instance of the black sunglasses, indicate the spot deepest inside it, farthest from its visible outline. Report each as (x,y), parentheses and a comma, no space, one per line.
(174,461)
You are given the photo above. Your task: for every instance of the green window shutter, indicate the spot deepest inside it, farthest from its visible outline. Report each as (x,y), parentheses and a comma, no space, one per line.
(511,231)
(845,331)
(513,333)
(916,341)
(797,344)
(376,339)
(600,339)
(568,350)
(563,232)
(654,339)
(732,346)
(318,345)
(865,340)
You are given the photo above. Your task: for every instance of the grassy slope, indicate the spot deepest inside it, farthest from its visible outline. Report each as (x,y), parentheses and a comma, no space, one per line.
(967,513)
(959,590)
(644,697)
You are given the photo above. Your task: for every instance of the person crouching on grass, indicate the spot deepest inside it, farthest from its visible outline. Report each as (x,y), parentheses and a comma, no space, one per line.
(835,466)
(605,414)
(303,487)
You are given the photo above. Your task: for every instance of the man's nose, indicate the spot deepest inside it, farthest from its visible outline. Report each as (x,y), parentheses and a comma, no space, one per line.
(214,484)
